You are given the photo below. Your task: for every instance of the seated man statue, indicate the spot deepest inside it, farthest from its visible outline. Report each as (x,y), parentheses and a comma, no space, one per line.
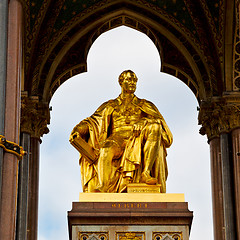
(129,137)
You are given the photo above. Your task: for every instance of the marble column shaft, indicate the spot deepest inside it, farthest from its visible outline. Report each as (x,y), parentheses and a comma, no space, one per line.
(236,172)
(12,119)
(33,190)
(34,119)
(227,179)
(22,203)
(3,72)
(217,189)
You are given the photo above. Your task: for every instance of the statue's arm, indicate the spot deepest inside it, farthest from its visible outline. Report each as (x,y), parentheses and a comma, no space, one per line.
(86,130)
(79,139)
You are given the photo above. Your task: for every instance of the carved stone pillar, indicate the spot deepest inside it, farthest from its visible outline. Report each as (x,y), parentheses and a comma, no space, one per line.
(228,188)
(3,72)
(219,117)
(32,219)
(236,169)
(217,189)
(12,119)
(22,200)
(34,119)
(208,117)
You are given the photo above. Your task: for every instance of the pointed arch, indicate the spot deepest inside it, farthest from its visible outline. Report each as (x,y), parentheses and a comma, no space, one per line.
(65,54)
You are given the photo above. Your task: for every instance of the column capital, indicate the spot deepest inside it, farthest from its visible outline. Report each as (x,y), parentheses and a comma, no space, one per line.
(35,116)
(219,114)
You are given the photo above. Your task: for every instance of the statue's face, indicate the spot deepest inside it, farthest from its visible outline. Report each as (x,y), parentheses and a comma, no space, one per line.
(129,83)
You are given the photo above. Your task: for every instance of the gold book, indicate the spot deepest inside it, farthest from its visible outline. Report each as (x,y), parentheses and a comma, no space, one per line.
(83,147)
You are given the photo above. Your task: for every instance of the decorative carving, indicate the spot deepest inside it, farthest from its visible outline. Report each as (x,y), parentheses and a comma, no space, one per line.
(215,22)
(236,58)
(31,32)
(12,147)
(205,39)
(93,236)
(167,236)
(130,235)
(52,41)
(143,188)
(35,116)
(219,115)
(172,56)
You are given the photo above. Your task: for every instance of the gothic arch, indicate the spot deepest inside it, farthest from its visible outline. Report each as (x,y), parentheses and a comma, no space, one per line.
(66,53)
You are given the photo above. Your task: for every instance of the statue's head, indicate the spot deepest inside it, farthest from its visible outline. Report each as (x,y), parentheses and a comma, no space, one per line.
(128,81)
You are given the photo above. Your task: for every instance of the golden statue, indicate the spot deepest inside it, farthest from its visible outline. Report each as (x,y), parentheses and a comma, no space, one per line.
(123,142)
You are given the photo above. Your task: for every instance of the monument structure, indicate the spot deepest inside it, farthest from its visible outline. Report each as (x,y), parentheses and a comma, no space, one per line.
(43,43)
(128,137)
(124,171)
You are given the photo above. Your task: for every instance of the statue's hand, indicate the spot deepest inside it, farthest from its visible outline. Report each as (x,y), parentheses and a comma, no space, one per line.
(138,126)
(81,129)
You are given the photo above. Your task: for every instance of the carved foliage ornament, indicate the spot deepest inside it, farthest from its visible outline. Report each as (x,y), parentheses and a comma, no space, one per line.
(35,117)
(217,117)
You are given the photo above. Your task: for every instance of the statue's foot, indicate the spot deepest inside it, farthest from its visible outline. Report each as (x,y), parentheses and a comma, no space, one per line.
(146,178)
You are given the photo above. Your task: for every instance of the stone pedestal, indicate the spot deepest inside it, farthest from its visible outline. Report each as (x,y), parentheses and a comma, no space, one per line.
(107,216)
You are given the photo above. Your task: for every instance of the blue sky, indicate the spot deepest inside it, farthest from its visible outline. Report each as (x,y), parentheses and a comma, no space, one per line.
(188,158)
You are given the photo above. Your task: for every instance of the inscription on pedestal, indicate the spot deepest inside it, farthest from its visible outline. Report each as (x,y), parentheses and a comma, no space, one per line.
(143,188)
(129,205)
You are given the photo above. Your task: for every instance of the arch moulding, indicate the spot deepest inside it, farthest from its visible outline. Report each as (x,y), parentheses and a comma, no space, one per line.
(66,54)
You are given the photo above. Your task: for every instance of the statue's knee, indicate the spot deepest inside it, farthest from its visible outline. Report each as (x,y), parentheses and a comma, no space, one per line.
(110,148)
(155,127)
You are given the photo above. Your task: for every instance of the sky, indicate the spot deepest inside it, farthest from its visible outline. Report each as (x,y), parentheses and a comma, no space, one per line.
(188,157)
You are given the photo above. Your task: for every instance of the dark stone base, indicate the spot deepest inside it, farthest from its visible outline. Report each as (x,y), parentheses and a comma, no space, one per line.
(129,220)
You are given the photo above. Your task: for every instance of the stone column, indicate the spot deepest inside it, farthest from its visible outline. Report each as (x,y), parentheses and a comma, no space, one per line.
(32,228)
(3,72)
(217,191)
(219,117)
(12,119)
(22,203)
(34,119)
(236,169)
(228,194)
